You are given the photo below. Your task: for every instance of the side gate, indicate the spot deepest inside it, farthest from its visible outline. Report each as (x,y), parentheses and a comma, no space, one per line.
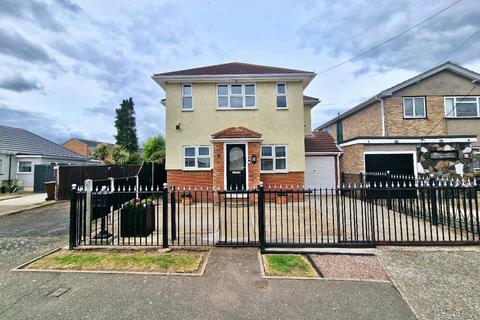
(42,173)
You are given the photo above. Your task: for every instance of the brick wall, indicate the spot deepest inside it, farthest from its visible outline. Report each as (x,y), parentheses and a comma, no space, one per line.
(180,178)
(367,122)
(352,160)
(283,179)
(253,169)
(218,166)
(77,146)
(433,125)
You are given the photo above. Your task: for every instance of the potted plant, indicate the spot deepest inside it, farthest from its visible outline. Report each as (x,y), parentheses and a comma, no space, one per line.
(137,218)
(281,197)
(187,198)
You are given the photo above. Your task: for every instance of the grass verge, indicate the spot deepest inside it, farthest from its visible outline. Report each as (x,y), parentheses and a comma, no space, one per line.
(288,265)
(175,261)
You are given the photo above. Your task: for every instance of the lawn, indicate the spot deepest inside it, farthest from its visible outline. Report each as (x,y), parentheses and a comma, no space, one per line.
(288,265)
(175,261)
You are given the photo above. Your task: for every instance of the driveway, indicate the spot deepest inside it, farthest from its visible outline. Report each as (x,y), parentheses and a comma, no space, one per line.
(21,203)
(231,287)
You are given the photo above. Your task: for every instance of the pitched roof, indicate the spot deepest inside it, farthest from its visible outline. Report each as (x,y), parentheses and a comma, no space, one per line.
(20,141)
(232,68)
(450,66)
(321,141)
(92,143)
(236,132)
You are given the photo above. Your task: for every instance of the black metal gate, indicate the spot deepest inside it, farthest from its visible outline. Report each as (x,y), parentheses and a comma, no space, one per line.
(41,174)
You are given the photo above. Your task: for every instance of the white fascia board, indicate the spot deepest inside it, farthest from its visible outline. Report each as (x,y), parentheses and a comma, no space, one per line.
(407,141)
(306,78)
(310,154)
(237,140)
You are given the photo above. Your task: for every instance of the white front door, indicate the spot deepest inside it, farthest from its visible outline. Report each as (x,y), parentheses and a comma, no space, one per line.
(320,172)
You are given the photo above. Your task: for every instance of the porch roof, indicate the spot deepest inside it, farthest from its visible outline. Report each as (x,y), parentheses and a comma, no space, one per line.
(236,132)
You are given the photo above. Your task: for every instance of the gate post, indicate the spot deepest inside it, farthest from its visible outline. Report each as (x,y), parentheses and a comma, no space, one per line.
(433,200)
(88,206)
(72,243)
(261,216)
(173,217)
(165,216)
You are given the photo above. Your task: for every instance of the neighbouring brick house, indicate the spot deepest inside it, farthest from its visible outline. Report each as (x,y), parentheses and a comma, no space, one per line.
(232,125)
(428,124)
(87,147)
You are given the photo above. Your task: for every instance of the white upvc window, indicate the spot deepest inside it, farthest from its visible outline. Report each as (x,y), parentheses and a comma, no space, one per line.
(1,166)
(414,107)
(187,98)
(273,158)
(462,107)
(281,96)
(476,160)
(196,158)
(236,96)
(24,167)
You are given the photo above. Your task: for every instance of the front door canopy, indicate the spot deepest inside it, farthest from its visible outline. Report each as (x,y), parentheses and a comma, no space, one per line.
(236,133)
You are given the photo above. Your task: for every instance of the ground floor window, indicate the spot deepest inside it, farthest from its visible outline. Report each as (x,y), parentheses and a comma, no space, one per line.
(196,157)
(274,158)
(25,166)
(476,160)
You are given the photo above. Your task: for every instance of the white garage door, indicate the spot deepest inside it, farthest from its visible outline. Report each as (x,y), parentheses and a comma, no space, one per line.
(319,172)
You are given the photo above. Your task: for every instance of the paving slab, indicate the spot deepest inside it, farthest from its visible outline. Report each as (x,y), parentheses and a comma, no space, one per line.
(438,283)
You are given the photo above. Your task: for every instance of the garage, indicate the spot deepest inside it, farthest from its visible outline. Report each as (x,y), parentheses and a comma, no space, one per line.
(320,172)
(321,156)
(398,163)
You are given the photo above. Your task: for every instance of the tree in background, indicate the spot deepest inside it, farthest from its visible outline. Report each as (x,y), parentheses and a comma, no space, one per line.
(120,155)
(154,149)
(126,136)
(101,152)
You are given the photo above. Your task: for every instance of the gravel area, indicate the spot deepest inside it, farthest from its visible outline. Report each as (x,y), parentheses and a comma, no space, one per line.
(437,284)
(344,266)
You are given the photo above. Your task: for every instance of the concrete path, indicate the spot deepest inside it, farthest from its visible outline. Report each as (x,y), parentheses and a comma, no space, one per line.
(231,288)
(21,203)
(438,283)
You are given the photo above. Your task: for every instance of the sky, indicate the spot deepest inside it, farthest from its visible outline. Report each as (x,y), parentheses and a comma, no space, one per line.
(66,65)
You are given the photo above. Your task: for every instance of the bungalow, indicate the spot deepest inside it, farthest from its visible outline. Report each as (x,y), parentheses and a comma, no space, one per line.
(21,151)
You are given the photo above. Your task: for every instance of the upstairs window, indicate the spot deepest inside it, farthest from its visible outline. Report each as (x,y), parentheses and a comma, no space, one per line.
(236,96)
(196,158)
(281,95)
(414,107)
(274,158)
(187,100)
(460,107)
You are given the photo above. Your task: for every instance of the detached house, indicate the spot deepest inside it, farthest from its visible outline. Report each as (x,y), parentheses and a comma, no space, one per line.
(428,124)
(232,125)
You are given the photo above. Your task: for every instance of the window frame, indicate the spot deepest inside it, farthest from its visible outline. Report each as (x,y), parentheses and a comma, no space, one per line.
(454,115)
(187,96)
(1,167)
(24,172)
(243,95)
(274,158)
(196,157)
(414,116)
(281,95)
(475,155)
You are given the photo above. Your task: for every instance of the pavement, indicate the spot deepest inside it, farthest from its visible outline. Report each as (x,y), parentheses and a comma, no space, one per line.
(438,283)
(21,203)
(231,287)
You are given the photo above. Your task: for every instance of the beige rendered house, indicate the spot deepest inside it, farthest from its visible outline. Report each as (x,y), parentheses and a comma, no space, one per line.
(232,125)
(427,125)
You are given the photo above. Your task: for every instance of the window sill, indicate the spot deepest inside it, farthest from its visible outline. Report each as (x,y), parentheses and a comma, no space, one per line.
(453,118)
(196,169)
(282,108)
(236,109)
(274,171)
(415,118)
(187,110)
(24,172)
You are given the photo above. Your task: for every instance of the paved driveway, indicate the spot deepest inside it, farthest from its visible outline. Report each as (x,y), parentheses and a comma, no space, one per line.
(20,203)
(229,288)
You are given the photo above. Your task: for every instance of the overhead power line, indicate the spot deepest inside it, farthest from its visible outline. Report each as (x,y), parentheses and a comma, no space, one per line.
(390,39)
